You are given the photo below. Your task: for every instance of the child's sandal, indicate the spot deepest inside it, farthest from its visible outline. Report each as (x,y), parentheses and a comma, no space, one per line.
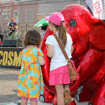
(67,98)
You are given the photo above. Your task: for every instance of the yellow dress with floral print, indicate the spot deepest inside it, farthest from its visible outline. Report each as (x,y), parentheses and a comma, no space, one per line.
(30,81)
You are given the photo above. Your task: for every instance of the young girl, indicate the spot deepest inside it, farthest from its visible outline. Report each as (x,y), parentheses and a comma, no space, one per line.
(58,67)
(30,81)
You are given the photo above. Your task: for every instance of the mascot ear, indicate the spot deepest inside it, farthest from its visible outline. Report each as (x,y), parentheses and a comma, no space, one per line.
(97,35)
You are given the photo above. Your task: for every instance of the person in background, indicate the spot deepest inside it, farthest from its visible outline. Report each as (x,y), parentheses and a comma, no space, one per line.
(58,67)
(13,27)
(43,29)
(30,81)
(42,25)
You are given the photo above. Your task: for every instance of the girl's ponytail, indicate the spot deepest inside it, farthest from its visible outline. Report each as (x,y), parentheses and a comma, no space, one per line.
(62,34)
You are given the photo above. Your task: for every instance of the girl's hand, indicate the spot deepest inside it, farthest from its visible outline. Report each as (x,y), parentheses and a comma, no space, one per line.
(41,60)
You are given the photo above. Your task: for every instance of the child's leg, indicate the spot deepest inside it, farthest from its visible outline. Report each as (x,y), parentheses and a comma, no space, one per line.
(24,101)
(60,94)
(33,101)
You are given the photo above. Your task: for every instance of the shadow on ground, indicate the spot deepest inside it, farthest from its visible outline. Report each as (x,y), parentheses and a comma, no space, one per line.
(8,98)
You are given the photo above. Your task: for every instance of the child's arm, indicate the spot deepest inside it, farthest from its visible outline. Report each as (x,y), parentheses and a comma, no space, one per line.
(72,49)
(41,60)
(50,50)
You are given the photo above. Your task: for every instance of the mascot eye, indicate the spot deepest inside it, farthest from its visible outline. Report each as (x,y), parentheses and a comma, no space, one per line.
(72,23)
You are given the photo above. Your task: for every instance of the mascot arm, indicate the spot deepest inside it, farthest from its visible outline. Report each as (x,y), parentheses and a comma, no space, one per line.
(88,61)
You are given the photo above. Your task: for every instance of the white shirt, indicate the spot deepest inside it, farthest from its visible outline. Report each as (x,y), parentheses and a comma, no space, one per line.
(58,58)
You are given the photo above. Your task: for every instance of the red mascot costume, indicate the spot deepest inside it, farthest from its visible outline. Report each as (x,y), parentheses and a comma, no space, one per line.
(88,35)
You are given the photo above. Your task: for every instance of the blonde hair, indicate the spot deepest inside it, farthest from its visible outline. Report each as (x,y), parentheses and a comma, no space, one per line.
(61,34)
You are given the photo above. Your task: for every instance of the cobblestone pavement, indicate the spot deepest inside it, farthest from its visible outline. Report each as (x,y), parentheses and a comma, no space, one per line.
(8,81)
